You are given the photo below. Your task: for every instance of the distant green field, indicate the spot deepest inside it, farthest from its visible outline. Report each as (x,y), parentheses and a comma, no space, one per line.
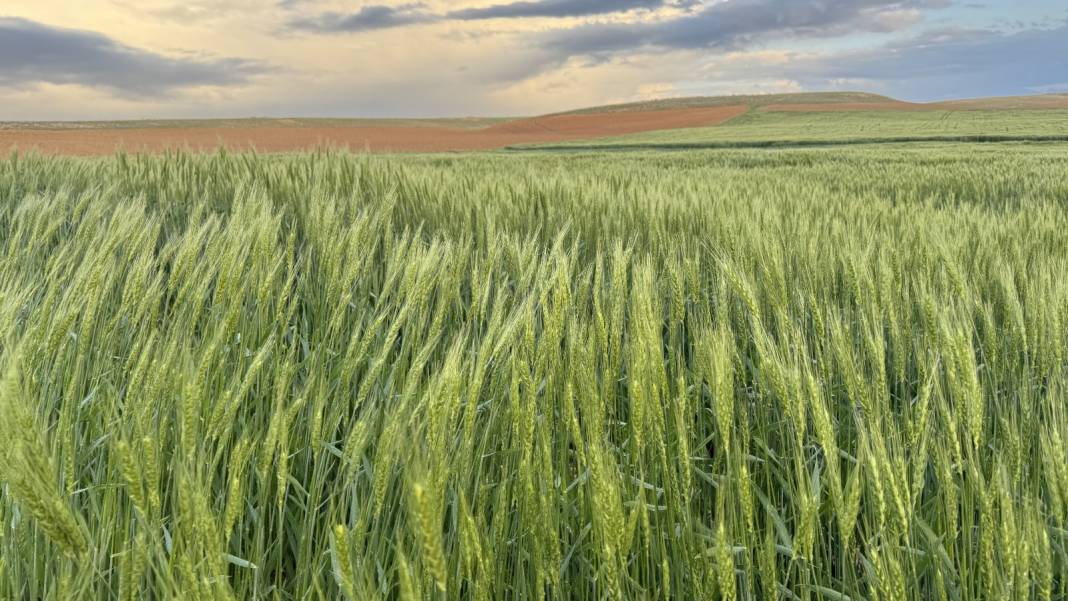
(760,128)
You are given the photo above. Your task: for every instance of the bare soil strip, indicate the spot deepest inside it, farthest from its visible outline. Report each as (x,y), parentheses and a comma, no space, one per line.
(399,138)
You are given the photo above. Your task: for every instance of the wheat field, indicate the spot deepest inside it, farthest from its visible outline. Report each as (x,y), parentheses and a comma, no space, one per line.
(781,375)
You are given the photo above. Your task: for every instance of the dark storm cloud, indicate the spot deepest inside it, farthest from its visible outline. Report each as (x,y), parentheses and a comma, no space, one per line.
(32,52)
(736,23)
(368,18)
(554,8)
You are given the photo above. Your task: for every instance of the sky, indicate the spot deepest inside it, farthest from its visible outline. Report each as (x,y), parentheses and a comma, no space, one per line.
(135,59)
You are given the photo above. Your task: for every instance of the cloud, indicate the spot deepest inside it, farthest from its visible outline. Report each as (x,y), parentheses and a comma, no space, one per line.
(191,13)
(368,18)
(957,62)
(376,17)
(736,23)
(554,8)
(33,53)
(931,65)
(513,66)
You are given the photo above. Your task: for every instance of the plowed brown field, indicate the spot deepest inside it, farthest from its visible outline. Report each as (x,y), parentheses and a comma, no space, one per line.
(278,138)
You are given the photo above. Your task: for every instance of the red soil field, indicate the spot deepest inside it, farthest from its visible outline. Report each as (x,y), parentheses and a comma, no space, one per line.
(278,138)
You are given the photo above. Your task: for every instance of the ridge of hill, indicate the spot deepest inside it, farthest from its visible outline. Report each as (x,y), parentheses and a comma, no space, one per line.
(829,101)
(750,100)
